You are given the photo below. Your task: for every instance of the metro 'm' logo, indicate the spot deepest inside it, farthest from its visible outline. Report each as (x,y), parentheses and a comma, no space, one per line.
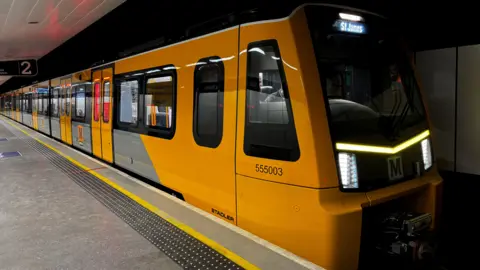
(395,167)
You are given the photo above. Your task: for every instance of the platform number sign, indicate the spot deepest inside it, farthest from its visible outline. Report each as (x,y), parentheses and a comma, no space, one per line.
(26,67)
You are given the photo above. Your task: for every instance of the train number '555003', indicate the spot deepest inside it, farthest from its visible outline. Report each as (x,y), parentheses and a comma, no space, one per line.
(269,169)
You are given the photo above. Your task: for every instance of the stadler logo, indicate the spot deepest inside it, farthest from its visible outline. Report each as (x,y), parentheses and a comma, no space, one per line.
(223,215)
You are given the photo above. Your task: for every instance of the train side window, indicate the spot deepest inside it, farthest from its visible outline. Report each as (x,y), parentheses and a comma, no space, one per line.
(28,103)
(208,102)
(96,102)
(269,126)
(54,107)
(39,104)
(74,101)
(80,105)
(106,102)
(129,102)
(159,102)
(34,107)
(61,101)
(45,104)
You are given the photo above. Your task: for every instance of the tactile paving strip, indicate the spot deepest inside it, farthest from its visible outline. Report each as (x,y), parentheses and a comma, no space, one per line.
(185,250)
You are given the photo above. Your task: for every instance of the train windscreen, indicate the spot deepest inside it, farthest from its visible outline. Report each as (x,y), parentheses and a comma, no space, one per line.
(372,93)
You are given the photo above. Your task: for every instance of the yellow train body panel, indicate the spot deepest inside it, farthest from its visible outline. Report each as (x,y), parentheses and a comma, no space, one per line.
(204,176)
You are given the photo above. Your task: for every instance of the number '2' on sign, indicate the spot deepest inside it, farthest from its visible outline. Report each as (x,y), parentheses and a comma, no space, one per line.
(26,68)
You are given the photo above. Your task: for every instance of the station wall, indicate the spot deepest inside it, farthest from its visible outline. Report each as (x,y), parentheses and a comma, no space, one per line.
(451,83)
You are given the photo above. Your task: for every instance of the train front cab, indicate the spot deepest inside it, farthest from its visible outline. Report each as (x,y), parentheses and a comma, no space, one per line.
(312,165)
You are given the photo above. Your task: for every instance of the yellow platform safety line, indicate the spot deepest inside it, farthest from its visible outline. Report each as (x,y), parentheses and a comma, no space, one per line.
(207,241)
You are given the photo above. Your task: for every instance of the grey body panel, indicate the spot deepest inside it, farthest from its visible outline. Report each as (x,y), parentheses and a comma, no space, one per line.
(56,128)
(44,124)
(27,119)
(86,145)
(130,153)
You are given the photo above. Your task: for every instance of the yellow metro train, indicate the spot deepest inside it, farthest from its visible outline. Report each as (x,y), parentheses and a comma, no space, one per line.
(303,130)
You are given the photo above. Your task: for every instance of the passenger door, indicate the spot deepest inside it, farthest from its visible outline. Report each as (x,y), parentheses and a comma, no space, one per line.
(102,114)
(62,100)
(35,109)
(55,111)
(68,111)
(65,111)
(268,152)
(17,102)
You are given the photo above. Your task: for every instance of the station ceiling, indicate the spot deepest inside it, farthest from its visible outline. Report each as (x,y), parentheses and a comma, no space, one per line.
(426,25)
(30,29)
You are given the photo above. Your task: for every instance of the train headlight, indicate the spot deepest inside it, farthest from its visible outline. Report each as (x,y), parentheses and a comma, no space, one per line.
(347,163)
(426,154)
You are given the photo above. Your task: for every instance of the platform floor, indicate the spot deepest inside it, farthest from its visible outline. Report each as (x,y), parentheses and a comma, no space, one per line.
(60,209)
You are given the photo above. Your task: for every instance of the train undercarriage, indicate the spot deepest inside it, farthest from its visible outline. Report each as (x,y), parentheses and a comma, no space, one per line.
(395,237)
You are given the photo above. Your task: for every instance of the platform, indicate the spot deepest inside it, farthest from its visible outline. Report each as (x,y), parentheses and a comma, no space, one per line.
(61,209)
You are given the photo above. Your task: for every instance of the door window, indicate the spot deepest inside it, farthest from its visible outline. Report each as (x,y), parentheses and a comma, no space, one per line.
(67,100)
(96,104)
(106,102)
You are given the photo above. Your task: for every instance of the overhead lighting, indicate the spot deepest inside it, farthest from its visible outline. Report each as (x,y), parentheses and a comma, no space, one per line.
(256,49)
(196,64)
(160,79)
(154,70)
(222,59)
(290,66)
(350,17)
(169,68)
